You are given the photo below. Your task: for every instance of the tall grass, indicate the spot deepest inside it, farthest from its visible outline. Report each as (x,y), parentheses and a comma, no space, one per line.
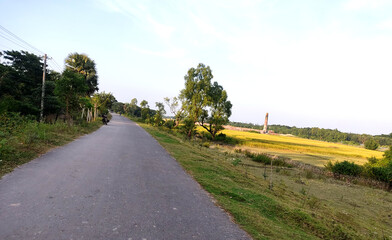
(22,138)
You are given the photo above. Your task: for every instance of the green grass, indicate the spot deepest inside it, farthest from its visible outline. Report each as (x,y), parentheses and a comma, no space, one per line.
(26,140)
(300,205)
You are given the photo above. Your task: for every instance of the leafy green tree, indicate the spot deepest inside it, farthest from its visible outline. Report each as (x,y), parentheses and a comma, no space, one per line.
(103,101)
(82,64)
(118,107)
(133,107)
(371,144)
(145,112)
(21,84)
(388,154)
(194,96)
(219,110)
(204,102)
(70,88)
(177,112)
(158,117)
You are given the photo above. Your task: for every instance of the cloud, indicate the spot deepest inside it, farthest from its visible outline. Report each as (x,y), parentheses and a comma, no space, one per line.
(170,53)
(364,4)
(385,25)
(141,13)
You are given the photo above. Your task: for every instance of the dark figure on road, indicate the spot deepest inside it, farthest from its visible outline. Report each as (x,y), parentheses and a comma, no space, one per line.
(105,119)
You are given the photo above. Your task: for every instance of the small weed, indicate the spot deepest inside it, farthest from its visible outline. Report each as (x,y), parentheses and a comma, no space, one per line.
(236,161)
(313,202)
(309,174)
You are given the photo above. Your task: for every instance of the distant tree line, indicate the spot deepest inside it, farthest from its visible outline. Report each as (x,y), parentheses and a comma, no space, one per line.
(70,95)
(328,135)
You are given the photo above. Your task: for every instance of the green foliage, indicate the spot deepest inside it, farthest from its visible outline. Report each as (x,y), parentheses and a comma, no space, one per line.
(145,112)
(118,107)
(219,110)
(82,64)
(158,117)
(70,88)
(371,144)
(22,138)
(388,154)
(174,109)
(103,101)
(204,102)
(21,84)
(170,124)
(266,159)
(346,168)
(236,161)
(381,169)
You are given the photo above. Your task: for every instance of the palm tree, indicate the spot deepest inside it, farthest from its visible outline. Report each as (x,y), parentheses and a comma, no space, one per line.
(82,64)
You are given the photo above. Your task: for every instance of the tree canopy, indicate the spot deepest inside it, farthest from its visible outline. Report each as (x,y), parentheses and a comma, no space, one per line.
(82,64)
(203,101)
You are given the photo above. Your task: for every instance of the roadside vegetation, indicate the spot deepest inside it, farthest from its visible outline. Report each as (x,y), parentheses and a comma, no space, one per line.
(71,106)
(23,138)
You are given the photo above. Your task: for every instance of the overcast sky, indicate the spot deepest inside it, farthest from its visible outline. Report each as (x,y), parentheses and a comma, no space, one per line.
(308,63)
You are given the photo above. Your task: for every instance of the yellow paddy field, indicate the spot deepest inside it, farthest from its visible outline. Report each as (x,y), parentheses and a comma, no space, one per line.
(305,150)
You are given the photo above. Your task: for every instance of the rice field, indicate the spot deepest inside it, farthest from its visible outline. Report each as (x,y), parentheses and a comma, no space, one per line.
(300,149)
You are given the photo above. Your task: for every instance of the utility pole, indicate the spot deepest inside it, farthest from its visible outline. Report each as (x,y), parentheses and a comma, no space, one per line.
(43,91)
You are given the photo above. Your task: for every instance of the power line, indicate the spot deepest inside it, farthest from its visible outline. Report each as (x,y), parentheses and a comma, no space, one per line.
(23,47)
(13,38)
(54,61)
(20,39)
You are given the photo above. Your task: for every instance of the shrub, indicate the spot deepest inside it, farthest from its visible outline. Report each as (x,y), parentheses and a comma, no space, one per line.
(206,144)
(263,158)
(346,168)
(371,144)
(170,124)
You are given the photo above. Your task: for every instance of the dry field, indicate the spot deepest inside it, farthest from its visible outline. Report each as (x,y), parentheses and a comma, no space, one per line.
(300,149)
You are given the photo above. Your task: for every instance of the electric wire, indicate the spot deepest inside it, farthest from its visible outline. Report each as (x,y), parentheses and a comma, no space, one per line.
(20,39)
(23,47)
(13,38)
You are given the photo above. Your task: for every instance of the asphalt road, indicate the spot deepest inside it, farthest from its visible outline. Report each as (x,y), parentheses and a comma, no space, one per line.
(116,183)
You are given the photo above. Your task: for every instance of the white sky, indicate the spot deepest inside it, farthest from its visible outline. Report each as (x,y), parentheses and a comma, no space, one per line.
(308,63)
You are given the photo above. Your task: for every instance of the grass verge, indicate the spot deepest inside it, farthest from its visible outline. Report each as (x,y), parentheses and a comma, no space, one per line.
(298,205)
(21,141)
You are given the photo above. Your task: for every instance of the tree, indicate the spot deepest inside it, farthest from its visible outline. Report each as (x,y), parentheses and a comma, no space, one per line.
(70,88)
(21,84)
(158,117)
(82,64)
(103,102)
(194,96)
(173,106)
(204,102)
(118,107)
(219,110)
(145,112)
(371,144)
(388,154)
(133,106)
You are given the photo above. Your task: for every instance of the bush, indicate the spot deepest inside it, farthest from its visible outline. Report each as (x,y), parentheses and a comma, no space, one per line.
(170,124)
(346,168)
(371,144)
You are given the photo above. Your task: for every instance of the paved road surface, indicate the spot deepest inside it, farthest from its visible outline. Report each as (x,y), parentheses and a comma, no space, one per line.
(116,183)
